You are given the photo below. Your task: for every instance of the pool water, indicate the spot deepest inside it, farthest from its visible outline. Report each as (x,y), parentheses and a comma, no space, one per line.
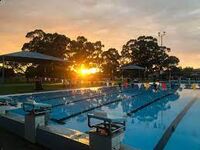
(144,127)
(187,134)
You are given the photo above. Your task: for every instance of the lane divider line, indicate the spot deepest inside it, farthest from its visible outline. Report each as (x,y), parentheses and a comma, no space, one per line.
(147,104)
(170,130)
(61,121)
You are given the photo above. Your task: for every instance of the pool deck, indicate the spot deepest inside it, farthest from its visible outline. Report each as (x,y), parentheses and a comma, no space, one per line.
(47,137)
(54,137)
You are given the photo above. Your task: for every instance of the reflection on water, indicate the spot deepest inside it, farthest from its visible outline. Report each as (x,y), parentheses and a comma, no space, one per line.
(149,114)
(153,114)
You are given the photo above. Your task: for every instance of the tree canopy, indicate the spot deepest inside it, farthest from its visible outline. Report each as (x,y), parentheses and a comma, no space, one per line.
(146,52)
(143,51)
(82,51)
(47,43)
(110,62)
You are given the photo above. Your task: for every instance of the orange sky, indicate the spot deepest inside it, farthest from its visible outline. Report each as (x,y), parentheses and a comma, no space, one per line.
(113,22)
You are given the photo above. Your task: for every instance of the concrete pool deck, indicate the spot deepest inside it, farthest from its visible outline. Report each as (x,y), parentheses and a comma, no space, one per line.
(54,137)
(47,137)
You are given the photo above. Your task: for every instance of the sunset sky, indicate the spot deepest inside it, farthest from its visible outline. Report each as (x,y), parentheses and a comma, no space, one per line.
(113,22)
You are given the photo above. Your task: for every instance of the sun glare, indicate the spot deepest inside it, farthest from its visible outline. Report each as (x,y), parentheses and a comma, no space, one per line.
(84,71)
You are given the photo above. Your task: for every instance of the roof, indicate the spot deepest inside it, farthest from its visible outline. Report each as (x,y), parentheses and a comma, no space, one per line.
(30,57)
(132,67)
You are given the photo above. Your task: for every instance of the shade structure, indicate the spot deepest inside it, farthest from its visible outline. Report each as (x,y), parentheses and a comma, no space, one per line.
(132,67)
(29,57)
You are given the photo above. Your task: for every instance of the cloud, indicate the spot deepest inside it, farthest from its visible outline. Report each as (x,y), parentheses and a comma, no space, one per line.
(112,21)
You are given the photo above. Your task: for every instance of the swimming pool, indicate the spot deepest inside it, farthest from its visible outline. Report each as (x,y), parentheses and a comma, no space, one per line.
(149,113)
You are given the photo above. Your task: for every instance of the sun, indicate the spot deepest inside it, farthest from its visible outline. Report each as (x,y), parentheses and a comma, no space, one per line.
(83,71)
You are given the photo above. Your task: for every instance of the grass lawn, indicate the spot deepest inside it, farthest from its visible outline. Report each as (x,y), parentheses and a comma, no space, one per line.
(13,88)
(24,88)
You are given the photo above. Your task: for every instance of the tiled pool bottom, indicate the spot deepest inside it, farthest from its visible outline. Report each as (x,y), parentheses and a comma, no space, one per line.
(146,126)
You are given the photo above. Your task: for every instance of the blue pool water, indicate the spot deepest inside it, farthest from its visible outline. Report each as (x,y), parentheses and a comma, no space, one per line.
(187,134)
(144,128)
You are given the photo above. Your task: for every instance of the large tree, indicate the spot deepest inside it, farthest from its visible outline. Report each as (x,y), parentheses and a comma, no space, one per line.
(110,62)
(170,62)
(82,51)
(8,72)
(77,52)
(52,44)
(146,52)
(187,72)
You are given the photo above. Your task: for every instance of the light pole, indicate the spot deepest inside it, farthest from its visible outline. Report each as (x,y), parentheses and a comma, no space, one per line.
(161,35)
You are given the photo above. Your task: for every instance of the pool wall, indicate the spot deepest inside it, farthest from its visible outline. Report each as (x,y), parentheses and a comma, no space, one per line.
(57,141)
(46,136)
(12,124)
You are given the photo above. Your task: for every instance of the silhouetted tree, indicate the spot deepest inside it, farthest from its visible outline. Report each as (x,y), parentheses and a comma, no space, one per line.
(143,51)
(146,52)
(176,72)
(81,51)
(110,62)
(170,62)
(46,43)
(8,72)
(187,72)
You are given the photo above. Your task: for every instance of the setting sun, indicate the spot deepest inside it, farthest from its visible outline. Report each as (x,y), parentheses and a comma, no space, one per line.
(84,71)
